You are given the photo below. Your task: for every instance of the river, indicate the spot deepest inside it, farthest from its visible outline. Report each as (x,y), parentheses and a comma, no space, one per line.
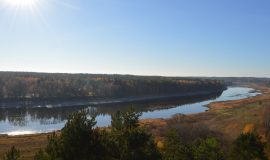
(32,119)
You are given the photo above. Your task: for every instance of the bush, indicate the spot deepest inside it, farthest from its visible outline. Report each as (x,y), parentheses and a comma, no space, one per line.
(12,154)
(174,149)
(207,149)
(199,149)
(248,146)
(189,129)
(41,155)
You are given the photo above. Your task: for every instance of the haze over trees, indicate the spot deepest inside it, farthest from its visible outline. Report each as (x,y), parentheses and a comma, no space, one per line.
(23,85)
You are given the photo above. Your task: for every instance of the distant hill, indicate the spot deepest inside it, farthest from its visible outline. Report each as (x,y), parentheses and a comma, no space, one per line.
(29,85)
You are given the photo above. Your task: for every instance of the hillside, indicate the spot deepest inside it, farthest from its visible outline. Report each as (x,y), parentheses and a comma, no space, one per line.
(26,85)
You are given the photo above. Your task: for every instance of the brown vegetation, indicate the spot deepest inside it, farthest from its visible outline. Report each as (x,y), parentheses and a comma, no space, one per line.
(28,144)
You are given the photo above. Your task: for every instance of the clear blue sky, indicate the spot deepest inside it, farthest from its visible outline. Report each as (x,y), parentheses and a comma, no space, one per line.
(145,37)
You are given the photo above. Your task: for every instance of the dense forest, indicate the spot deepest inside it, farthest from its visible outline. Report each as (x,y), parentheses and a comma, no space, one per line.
(28,85)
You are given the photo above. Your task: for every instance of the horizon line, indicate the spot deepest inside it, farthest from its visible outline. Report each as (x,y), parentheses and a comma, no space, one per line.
(128,74)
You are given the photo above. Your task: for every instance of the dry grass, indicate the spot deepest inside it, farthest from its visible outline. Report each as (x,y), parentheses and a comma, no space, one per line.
(28,144)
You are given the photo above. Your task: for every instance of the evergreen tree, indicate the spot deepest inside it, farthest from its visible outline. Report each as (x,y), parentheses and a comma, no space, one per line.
(41,155)
(207,149)
(174,149)
(78,140)
(53,148)
(130,141)
(12,154)
(126,140)
(248,146)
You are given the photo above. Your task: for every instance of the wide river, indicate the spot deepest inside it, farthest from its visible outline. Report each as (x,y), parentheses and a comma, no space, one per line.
(30,120)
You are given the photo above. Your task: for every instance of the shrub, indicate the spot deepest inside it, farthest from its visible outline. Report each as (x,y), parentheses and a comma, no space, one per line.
(207,149)
(41,155)
(174,149)
(12,154)
(248,146)
(200,149)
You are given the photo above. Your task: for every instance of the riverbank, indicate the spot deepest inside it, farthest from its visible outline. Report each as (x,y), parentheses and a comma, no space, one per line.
(224,119)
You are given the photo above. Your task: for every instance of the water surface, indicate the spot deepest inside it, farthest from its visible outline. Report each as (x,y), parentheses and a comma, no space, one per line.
(30,119)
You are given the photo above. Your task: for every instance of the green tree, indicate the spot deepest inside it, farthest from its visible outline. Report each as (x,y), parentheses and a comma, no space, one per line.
(124,121)
(12,154)
(207,149)
(174,149)
(53,148)
(78,140)
(129,140)
(248,146)
(41,155)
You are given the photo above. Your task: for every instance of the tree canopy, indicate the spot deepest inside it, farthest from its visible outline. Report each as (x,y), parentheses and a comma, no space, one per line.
(79,139)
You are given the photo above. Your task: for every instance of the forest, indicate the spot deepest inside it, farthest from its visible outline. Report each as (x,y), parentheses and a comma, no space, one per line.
(30,85)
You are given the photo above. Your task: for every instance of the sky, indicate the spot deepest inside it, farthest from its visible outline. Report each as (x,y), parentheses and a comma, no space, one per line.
(142,37)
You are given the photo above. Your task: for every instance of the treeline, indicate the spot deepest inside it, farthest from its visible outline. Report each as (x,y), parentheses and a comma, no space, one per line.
(23,85)
(127,140)
(240,80)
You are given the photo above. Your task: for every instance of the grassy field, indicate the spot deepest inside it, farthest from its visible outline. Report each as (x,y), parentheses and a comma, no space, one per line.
(28,144)
(224,119)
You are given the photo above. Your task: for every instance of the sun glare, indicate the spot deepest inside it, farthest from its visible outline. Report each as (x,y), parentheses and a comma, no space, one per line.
(21,3)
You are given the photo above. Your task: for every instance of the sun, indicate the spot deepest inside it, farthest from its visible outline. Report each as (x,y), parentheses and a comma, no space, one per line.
(21,3)
(24,11)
